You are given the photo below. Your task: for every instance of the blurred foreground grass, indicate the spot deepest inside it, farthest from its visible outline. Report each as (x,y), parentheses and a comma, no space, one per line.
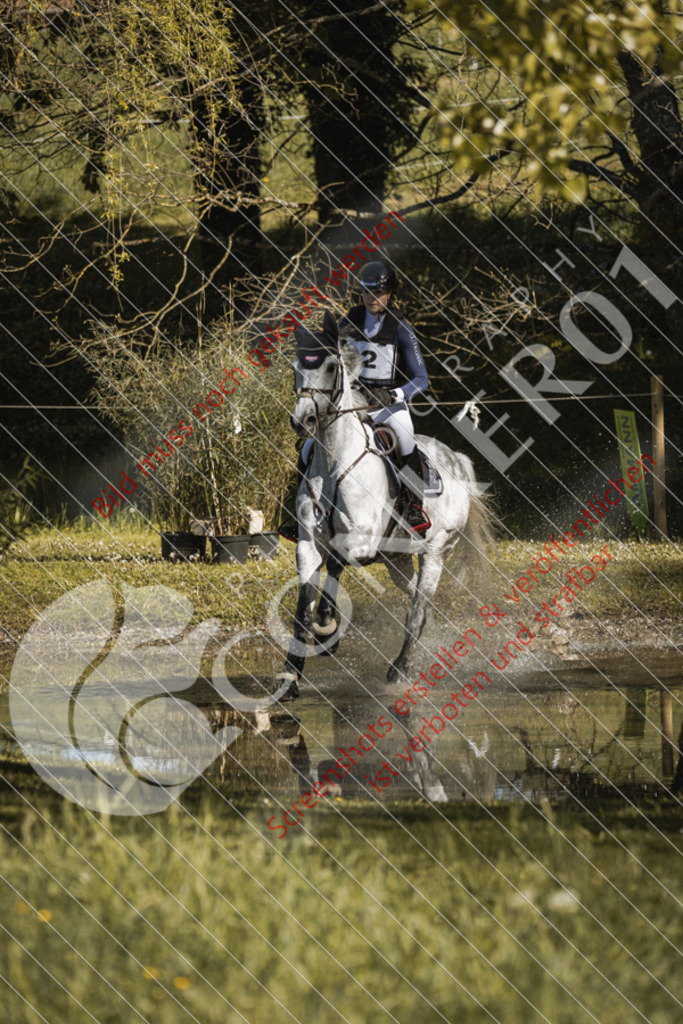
(197,914)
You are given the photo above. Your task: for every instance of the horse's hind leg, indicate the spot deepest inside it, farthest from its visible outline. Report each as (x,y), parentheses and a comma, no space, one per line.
(427,582)
(402,572)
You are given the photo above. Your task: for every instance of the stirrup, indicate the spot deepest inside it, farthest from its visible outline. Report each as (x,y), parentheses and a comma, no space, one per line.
(418,513)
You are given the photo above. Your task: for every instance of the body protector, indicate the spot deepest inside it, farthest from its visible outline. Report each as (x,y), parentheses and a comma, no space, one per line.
(391,356)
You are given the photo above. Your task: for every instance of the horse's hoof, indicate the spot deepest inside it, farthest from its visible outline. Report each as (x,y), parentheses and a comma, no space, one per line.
(292,691)
(399,670)
(327,630)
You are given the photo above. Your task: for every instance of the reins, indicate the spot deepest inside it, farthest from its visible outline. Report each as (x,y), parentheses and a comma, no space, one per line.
(336,391)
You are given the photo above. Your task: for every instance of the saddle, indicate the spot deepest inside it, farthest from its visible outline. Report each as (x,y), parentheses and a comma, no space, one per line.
(387,445)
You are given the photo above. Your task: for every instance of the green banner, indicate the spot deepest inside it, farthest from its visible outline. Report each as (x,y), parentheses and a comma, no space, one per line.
(629,453)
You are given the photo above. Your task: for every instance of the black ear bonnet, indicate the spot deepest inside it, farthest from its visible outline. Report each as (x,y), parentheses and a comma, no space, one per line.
(313,348)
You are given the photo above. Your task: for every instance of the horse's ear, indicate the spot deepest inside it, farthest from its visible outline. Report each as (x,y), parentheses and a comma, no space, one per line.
(330,331)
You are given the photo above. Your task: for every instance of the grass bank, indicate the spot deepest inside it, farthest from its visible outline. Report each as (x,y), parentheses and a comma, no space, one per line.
(49,562)
(642,577)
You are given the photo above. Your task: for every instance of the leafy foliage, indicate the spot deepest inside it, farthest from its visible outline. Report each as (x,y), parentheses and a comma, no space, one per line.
(239,454)
(15,514)
(561,62)
(99,90)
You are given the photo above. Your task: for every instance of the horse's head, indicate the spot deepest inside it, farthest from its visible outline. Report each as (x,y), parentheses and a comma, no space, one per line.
(319,371)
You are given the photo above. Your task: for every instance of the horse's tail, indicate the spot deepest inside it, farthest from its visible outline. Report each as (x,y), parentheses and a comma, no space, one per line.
(477,540)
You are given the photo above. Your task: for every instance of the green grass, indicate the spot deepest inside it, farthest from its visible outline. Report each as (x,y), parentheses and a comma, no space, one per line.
(649,574)
(49,561)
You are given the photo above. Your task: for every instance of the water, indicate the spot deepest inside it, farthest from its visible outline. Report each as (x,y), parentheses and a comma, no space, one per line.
(551,728)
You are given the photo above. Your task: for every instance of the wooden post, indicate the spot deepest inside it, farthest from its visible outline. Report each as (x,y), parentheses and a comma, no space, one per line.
(667,722)
(659,470)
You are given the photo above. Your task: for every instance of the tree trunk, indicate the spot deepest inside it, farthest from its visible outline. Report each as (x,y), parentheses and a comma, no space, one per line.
(658,183)
(359,104)
(229,176)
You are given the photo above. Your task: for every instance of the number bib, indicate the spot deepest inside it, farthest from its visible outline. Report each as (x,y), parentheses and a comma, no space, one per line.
(379,361)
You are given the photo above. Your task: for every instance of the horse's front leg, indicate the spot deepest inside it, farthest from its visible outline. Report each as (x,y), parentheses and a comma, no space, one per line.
(308,560)
(327,622)
(429,575)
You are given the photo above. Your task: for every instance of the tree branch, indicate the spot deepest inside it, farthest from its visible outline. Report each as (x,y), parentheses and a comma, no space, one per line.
(459,192)
(595,171)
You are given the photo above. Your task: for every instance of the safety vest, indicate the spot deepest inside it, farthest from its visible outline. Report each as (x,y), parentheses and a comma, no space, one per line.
(380,353)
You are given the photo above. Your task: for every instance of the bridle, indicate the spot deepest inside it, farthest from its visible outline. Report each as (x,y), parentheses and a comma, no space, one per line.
(332,413)
(336,391)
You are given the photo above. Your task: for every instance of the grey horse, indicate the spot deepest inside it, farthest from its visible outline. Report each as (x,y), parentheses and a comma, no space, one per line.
(346,508)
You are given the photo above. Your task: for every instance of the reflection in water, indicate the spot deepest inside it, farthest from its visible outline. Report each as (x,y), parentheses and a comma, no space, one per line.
(635,714)
(667,723)
(387,767)
(365,764)
(588,742)
(677,784)
(269,752)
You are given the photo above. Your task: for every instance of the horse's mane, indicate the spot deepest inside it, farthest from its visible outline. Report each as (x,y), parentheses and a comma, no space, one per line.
(353,364)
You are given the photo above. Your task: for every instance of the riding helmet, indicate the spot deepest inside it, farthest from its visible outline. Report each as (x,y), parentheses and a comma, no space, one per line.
(378,275)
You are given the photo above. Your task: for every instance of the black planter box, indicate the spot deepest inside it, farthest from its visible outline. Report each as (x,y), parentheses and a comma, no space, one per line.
(267,543)
(180,547)
(230,549)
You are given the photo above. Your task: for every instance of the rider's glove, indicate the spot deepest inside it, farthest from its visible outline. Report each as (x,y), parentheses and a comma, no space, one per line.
(383,396)
(387,396)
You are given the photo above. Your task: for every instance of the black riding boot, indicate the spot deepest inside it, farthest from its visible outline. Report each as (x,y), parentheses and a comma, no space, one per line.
(413,493)
(290,528)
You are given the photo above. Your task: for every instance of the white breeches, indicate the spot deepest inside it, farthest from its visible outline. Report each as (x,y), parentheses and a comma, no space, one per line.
(398,417)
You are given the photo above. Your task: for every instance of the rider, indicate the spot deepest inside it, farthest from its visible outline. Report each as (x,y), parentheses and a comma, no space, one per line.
(393,372)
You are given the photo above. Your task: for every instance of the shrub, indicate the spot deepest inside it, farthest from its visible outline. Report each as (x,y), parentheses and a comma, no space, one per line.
(201,451)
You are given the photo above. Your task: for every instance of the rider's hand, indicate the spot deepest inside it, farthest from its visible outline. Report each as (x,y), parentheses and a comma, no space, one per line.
(383,396)
(387,396)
